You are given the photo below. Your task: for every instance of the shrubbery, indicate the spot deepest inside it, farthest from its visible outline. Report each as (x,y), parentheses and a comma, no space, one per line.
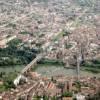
(50,62)
(67,94)
(7,81)
(12,55)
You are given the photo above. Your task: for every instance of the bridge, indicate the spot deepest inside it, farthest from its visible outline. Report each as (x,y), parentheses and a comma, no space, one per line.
(41,55)
(32,63)
(38,57)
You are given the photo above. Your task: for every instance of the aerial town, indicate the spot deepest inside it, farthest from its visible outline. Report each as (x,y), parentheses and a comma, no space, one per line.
(49,49)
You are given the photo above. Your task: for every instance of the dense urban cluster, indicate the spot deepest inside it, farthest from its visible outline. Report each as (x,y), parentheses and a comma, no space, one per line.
(54,88)
(63,33)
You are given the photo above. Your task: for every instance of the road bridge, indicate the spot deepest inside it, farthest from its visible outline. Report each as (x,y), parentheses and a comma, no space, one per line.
(38,57)
(32,63)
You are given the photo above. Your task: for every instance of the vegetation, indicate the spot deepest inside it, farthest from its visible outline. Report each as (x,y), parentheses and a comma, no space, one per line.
(93,63)
(14,42)
(78,85)
(92,66)
(7,81)
(63,33)
(48,62)
(93,70)
(45,98)
(68,46)
(15,55)
(51,62)
(11,25)
(25,32)
(67,94)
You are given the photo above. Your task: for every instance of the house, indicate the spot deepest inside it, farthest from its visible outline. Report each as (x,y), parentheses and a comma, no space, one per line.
(80,97)
(5,40)
(1,82)
(18,79)
(67,98)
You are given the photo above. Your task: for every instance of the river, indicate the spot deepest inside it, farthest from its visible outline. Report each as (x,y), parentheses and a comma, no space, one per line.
(60,70)
(49,70)
(8,69)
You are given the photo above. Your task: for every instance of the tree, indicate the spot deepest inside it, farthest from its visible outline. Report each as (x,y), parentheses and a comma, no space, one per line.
(67,94)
